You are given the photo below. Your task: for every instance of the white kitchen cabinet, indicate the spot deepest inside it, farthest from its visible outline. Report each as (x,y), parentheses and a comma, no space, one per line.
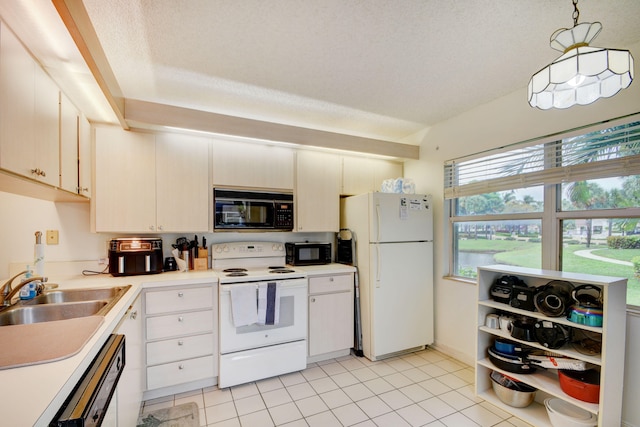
(85,157)
(242,164)
(317,192)
(130,386)
(150,183)
(69,161)
(331,307)
(182,183)
(363,175)
(28,114)
(125,181)
(610,361)
(180,338)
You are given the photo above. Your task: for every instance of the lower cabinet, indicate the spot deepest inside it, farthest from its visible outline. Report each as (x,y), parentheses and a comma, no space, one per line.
(330,316)
(180,338)
(129,392)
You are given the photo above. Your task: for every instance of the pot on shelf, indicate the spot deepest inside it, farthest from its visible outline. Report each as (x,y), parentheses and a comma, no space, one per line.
(587,309)
(581,385)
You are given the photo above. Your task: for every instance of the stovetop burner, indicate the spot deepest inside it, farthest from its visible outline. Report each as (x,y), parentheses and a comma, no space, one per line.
(237,274)
(234,270)
(276,267)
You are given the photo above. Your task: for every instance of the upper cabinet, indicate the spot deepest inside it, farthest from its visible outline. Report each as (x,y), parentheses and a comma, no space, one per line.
(28,114)
(69,117)
(38,129)
(362,175)
(241,164)
(145,183)
(182,183)
(317,192)
(125,181)
(85,157)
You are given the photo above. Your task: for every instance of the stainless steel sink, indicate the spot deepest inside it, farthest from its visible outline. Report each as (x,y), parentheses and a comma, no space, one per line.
(76,295)
(22,314)
(61,304)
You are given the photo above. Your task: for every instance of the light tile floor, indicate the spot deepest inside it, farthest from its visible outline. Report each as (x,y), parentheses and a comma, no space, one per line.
(424,388)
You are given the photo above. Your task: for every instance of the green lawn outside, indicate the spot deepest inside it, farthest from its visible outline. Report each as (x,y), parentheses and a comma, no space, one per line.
(528,254)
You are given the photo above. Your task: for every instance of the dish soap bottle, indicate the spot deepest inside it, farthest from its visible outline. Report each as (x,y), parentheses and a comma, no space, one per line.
(28,291)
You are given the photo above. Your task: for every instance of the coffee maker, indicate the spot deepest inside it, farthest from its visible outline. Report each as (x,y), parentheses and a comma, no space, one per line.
(129,256)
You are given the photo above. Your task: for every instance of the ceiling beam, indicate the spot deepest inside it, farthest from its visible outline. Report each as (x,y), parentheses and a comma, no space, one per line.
(166,115)
(75,18)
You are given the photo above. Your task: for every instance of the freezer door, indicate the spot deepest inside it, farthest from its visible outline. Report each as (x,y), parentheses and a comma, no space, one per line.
(400,217)
(401,303)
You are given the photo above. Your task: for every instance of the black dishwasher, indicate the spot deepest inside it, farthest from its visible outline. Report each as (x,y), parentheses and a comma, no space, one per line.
(89,401)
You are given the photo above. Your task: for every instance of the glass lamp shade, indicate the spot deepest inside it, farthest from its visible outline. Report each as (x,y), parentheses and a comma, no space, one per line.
(582,74)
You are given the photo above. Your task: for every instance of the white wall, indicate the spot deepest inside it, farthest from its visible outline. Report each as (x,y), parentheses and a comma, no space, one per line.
(505,121)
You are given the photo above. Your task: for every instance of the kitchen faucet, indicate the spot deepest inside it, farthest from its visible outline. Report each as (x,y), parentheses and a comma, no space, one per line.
(8,293)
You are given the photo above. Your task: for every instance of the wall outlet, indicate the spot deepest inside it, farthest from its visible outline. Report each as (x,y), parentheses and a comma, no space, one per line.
(103,261)
(52,237)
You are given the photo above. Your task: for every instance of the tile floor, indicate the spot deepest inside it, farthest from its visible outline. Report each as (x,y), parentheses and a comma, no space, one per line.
(424,388)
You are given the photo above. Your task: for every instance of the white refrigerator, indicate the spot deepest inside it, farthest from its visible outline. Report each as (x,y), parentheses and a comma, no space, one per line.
(394,255)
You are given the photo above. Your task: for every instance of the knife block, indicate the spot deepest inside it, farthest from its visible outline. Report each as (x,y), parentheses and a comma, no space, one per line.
(202,262)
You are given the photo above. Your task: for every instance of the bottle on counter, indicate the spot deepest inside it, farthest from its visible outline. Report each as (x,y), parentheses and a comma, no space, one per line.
(28,291)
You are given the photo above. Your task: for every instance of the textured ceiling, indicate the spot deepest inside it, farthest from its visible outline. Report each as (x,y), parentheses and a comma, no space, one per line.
(384,69)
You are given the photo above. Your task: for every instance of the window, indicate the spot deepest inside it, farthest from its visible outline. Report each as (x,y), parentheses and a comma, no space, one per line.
(569,202)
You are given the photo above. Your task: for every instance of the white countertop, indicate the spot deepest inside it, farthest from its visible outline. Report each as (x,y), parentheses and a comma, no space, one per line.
(31,395)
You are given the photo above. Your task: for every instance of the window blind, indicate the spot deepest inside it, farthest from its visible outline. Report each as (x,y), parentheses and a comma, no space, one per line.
(613,151)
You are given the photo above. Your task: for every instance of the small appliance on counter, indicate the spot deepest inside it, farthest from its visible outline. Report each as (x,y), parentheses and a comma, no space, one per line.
(305,253)
(130,256)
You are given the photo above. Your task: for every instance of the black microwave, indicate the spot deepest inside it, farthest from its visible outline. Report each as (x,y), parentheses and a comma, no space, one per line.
(308,253)
(237,210)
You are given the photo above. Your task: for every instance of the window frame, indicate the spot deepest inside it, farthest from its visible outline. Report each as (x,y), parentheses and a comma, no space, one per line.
(552,215)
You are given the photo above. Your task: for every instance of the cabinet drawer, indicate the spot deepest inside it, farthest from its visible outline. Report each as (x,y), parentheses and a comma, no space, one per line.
(179,349)
(180,372)
(173,325)
(178,300)
(337,283)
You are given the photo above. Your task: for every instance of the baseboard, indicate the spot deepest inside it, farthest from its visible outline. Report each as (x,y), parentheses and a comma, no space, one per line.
(624,423)
(448,351)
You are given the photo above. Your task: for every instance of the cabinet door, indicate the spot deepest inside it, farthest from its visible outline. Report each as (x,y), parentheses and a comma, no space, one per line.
(242,164)
(17,100)
(125,192)
(330,322)
(68,145)
(182,179)
(84,156)
(46,122)
(317,192)
(130,385)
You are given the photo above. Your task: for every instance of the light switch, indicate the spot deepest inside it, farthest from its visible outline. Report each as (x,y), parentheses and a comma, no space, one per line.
(52,237)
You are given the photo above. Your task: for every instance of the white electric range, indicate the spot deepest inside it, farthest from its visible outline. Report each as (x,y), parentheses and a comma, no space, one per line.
(262,312)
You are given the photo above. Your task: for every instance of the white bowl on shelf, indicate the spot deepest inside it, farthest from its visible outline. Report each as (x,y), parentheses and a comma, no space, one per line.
(564,414)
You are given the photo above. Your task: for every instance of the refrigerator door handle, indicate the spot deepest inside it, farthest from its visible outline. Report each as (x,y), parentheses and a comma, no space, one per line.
(378,222)
(378,266)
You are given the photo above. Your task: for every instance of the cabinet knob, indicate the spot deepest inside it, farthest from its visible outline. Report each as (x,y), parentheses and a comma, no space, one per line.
(152,228)
(133,315)
(38,172)
(331,279)
(160,228)
(180,343)
(313,300)
(181,367)
(82,189)
(180,319)
(180,294)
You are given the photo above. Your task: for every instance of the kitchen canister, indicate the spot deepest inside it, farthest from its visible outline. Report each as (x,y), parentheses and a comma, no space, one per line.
(492,321)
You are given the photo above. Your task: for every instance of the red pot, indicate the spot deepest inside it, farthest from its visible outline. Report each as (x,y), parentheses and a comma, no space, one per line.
(581,385)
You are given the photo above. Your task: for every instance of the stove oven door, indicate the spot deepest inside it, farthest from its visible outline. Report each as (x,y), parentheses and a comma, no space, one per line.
(292,325)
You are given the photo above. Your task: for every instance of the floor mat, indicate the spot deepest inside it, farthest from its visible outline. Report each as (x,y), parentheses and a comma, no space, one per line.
(185,415)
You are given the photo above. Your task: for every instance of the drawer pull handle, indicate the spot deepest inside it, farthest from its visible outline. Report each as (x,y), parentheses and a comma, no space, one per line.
(180,319)
(180,342)
(180,294)
(181,367)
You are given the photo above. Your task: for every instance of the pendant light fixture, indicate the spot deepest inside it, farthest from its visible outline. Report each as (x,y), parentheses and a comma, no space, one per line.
(583,73)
